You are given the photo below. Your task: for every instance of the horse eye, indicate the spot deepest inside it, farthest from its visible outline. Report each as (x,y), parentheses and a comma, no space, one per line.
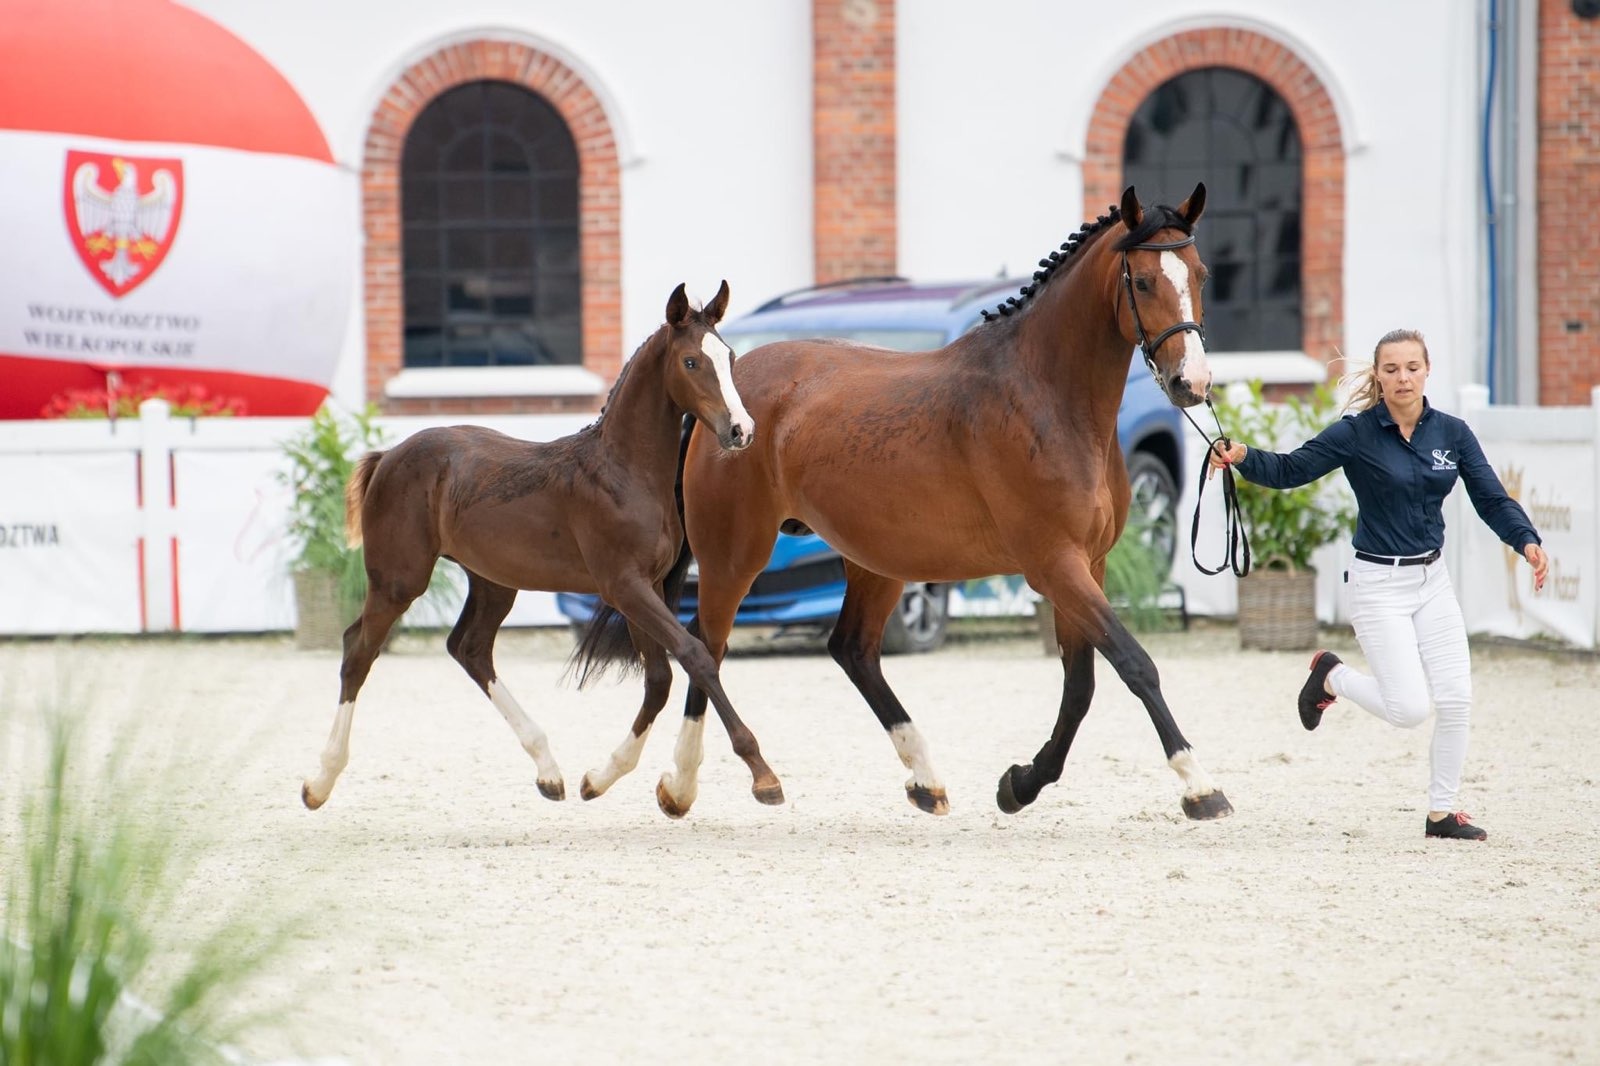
(689,363)
(1141,284)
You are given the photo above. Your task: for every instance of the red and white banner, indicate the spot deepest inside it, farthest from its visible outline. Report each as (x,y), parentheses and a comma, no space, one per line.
(172,213)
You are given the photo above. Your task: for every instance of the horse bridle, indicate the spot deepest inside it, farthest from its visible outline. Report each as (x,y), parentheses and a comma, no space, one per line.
(1236,549)
(1146,345)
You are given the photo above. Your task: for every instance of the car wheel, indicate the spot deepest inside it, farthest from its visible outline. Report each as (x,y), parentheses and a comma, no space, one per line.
(919,619)
(1154,507)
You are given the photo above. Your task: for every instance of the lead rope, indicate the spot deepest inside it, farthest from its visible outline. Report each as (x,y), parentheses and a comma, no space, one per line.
(1236,546)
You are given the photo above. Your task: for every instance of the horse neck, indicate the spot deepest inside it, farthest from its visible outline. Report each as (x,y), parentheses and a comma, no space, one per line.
(1070,341)
(641,424)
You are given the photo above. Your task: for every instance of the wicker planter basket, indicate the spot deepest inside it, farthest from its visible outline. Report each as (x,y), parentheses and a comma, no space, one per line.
(1278,610)
(318,622)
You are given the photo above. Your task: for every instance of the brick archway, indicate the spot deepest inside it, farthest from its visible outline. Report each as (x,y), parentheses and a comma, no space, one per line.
(599,207)
(1322,190)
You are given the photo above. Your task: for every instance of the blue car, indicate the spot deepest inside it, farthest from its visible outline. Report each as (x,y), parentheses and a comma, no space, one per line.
(803,583)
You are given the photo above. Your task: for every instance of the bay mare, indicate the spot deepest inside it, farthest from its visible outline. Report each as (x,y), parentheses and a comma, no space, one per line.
(995,454)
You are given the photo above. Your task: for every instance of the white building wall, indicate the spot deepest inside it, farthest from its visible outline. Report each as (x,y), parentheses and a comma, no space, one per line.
(994,109)
(711,103)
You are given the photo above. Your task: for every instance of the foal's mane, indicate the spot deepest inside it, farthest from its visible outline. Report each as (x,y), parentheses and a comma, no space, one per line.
(1156,218)
(622,375)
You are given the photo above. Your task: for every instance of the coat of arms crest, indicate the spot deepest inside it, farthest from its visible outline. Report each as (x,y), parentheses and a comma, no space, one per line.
(122,215)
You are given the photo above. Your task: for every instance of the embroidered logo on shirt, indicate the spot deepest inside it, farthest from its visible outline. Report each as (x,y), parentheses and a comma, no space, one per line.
(1442,460)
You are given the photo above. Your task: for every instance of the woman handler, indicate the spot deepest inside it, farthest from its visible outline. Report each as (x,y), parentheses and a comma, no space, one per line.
(1402,457)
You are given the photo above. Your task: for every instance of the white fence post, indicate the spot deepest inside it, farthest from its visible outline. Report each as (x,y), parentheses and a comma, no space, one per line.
(158,536)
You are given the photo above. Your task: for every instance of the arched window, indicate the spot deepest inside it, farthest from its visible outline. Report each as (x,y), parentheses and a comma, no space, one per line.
(489,195)
(1230,130)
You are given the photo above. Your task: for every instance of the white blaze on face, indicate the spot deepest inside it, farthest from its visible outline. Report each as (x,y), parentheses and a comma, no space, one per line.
(721,357)
(1194,368)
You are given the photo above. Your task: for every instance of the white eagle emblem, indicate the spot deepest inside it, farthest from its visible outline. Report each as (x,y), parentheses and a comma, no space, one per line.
(122,226)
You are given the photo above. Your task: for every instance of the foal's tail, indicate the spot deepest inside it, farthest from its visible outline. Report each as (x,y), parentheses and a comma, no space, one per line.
(606,642)
(354,493)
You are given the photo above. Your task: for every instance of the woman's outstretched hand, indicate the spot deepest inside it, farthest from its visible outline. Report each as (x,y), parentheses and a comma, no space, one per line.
(1225,452)
(1539,561)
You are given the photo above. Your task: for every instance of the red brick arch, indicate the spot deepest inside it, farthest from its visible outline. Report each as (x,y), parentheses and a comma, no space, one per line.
(599,203)
(1322,218)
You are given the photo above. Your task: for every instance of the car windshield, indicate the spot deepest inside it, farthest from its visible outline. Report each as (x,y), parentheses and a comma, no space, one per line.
(905,340)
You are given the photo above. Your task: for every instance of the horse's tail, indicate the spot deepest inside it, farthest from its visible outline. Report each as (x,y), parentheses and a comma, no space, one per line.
(356,492)
(606,642)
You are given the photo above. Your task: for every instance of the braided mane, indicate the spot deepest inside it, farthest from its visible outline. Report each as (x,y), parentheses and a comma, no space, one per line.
(1156,218)
(1059,260)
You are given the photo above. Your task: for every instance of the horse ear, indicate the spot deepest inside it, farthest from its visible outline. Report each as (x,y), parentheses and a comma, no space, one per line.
(718,305)
(1132,213)
(1191,208)
(677,307)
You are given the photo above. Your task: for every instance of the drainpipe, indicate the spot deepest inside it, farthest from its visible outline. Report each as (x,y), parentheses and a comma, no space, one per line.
(1491,214)
(1508,144)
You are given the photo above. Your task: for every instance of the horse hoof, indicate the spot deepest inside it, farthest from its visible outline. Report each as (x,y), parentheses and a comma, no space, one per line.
(1006,795)
(1207,808)
(668,805)
(928,800)
(553,790)
(587,790)
(771,795)
(311,802)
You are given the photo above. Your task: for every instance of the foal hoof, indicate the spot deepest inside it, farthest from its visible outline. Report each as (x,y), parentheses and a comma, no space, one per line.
(587,790)
(928,800)
(668,805)
(553,790)
(771,795)
(311,802)
(1208,807)
(1006,796)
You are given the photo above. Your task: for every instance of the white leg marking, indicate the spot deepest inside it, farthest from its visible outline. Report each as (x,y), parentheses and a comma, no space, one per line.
(532,738)
(1196,782)
(622,761)
(683,783)
(913,751)
(335,756)
(1194,368)
(721,357)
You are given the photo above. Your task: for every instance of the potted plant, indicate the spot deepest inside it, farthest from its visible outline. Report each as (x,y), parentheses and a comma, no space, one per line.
(1278,598)
(329,576)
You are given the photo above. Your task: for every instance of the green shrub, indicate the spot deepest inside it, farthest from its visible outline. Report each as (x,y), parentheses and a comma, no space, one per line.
(86,887)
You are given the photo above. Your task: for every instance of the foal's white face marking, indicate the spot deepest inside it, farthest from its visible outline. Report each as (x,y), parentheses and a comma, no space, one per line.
(721,357)
(1194,368)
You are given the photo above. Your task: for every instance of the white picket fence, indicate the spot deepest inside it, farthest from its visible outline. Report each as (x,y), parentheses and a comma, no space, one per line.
(159,524)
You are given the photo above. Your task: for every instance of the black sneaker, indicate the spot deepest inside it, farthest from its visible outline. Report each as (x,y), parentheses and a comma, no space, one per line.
(1457,826)
(1314,699)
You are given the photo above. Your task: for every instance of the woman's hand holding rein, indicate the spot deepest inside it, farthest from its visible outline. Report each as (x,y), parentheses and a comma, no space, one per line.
(1224,452)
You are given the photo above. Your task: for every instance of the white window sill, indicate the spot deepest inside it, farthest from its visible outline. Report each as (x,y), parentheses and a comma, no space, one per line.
(457,382)
(1273,368)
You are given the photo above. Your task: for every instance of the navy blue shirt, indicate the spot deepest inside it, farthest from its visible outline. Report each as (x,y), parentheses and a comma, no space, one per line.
(1400,485)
